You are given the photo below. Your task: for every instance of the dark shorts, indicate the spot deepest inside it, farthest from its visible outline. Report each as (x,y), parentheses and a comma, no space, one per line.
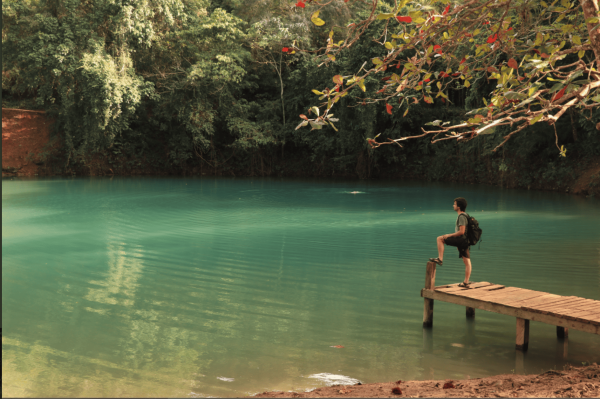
(460,243)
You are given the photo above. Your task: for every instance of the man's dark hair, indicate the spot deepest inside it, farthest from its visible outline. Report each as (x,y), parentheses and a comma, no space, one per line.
(461,203)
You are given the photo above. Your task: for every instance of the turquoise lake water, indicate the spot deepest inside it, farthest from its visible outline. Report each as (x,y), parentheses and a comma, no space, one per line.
(189,287)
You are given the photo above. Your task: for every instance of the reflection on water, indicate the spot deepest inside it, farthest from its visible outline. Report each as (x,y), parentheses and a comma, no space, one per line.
(227,287)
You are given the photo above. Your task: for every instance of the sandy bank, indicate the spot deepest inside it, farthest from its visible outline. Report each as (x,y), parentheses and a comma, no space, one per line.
(572,382)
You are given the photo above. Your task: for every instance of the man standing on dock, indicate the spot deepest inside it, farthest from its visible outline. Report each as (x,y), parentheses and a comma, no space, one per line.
(458,239)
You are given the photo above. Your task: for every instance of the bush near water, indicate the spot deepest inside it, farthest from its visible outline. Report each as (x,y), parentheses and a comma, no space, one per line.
(203,87)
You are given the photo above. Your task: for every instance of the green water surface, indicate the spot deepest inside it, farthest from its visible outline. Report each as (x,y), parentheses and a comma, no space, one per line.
(188,287)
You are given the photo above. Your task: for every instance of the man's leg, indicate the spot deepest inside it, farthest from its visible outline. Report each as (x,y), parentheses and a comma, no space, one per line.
(440,245)
(467,268)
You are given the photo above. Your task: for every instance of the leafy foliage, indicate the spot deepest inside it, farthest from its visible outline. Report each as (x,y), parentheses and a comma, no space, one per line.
(524,45)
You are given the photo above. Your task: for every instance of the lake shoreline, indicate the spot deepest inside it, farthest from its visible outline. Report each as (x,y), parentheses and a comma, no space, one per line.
(572,381)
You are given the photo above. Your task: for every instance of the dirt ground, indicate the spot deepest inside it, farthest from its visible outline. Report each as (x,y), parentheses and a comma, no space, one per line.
(572,382)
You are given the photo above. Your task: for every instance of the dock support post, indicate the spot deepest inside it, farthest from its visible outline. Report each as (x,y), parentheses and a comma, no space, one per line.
(522,334)
(562,332)
(470,313)
(429,285)
(563,342)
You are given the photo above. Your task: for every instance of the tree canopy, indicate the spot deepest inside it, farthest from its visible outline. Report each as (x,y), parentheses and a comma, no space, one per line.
(544,57)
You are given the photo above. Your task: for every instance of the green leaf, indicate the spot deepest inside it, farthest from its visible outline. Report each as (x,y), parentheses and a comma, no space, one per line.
(361,84)
(316,20)
(539,38)
(385,16)
(304,123)
(388,46)
(338,80)
(593,20)
(315,110)
(317,92)
(315,125)
(536,119)
(332,125)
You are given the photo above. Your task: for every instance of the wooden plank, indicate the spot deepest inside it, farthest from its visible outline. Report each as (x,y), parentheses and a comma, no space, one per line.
(583,313)
(558,304)
(541,302)
(524,313)
(446,286)
(492,296)
(539,298)
(503,291)
(568,316)
(519,296)
(586,305)
(558,308)
(456,287)
(480,292)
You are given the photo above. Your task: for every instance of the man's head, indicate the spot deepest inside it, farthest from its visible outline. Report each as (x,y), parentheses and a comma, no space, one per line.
(460,203)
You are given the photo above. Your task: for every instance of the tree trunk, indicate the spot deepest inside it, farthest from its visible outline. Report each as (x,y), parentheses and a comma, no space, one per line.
(573,125)
(590,10)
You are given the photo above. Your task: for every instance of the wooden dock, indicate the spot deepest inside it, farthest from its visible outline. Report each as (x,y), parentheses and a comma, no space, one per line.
(562,311)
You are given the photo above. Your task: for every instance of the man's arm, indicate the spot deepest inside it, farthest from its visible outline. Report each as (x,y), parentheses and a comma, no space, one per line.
(458,233)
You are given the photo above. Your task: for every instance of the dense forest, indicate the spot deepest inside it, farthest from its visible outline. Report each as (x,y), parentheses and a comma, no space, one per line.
(216,87)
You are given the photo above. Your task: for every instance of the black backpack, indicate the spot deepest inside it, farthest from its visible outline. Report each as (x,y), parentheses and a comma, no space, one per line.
(473,230)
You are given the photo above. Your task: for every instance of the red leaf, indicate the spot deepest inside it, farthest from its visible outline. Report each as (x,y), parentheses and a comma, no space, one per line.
(437,48)
(544,55)
(463,60)
(509,29)
(380,91)
(300,4)
(446,10)
(513,63)
(396,391)
(285,49)
(492,38)
(388,108)
(486,23)
(404,19)
(449,385)
(337,88)
(536,51)
(443,100)
(399,382)
(468,35)
(398,66)
(559,94)
(444,74)
(427,80)
(303,117)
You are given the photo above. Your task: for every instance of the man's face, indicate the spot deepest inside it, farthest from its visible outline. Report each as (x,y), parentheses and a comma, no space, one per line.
(454,206)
